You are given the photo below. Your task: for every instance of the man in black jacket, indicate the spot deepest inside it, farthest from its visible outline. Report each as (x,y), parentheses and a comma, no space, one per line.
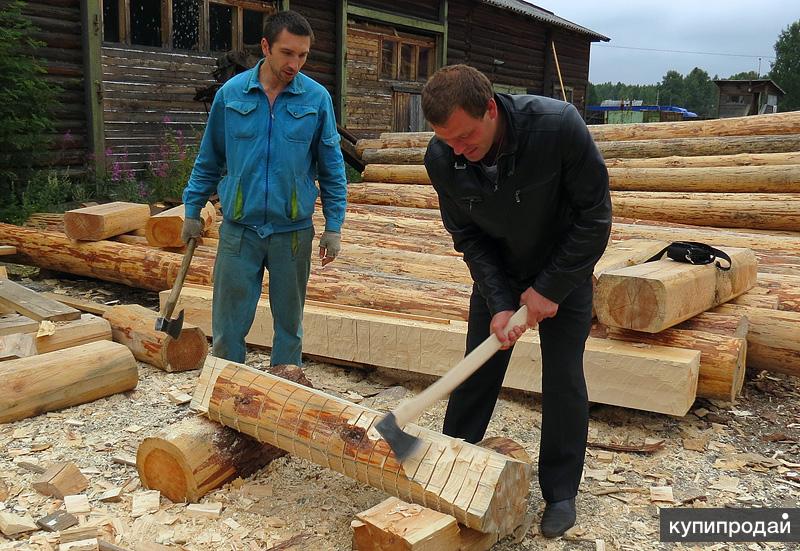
(524,192)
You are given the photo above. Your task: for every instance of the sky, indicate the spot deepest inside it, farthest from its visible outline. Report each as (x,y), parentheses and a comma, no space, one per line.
(744,28)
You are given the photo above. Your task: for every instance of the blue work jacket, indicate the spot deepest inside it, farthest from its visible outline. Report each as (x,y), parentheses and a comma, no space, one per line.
(263,160)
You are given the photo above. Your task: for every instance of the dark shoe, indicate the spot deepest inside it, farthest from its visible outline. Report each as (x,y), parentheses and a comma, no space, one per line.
(558,517)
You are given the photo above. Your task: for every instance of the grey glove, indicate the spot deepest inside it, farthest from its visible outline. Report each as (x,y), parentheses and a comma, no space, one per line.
(192,227)
(330,244)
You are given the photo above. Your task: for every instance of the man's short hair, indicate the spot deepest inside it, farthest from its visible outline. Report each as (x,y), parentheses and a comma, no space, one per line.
(452,87)
(289,20)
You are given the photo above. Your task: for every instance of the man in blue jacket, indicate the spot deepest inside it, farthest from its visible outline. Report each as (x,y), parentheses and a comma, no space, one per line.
(271,132)
(524,192)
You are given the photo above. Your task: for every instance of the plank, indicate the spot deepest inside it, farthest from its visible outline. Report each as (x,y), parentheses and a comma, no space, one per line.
(31,304)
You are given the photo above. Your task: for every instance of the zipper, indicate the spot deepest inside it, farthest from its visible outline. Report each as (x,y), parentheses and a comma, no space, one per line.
(271,111)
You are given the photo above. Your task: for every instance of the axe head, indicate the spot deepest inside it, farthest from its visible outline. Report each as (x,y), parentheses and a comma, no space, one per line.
(171,327)
(402,443)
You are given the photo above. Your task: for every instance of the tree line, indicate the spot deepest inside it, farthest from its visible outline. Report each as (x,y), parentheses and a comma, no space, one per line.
(697,92)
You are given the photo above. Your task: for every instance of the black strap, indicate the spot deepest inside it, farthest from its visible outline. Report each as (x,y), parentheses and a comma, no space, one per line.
(692,252)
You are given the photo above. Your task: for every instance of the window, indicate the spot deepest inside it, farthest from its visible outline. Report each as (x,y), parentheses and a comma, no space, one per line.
(252,27)
(145,17)
(220,27)
(186,24)
(111,20)
(735,99)
(406,60)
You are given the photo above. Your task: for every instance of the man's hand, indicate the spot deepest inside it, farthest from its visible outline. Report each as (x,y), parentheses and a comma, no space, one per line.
(330,244)
(539,307)
(498,324)
(192,228)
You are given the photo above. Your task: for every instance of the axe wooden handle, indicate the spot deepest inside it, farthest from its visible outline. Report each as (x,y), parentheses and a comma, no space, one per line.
(177,285)
(409,410)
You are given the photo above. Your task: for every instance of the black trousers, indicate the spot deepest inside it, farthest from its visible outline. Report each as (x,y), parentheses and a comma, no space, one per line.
(565,407)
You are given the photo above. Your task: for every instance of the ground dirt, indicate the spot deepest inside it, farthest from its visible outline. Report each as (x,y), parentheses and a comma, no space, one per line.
(721,455)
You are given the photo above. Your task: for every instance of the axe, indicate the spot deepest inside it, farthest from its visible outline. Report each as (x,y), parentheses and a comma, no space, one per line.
(389,427)
(163,322)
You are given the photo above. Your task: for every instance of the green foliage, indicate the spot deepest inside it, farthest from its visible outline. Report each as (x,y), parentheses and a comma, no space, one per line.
(45,191)
(786,69)
(26,100)
(701,95)
(745,75)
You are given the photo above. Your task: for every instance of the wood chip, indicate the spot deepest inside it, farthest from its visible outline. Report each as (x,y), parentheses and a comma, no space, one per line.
(650,446)
(206,510)
(111,495)
(77,534)
(11,524)
(144,502)
(80,545)
(178,397)
(661,493)
(57,521)
(726,484)
(695,444)
(124,459)
(77,504)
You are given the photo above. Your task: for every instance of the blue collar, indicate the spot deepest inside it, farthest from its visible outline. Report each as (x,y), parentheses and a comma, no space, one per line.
(294,87)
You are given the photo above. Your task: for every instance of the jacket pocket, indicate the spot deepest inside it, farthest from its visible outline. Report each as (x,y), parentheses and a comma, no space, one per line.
(241,119)
(230,239)
(301,123)
(302,200)
(542,186)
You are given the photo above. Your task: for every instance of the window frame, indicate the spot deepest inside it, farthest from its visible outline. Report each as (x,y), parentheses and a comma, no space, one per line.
(204,38)
(399,43)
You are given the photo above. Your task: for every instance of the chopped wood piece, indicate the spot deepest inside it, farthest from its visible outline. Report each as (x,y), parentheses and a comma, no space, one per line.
(11,524)
(61,479)
(207,510)
(394,525)
(32,304)
(144,502)
(18,345)
(78,533)
(3,274)
(77,504)
(103,221)
(661,493)
(81,304)
(103,545)
(164,229)
(55,522)
(16,323)
(124,459)
(111,495)
(6,250)
(90,544)
(63,378)
(179,397)
(641,448)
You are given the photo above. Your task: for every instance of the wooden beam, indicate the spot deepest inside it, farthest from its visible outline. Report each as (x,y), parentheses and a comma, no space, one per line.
(6,250)
(33,305)
(103,221)
(441,40)
(481,488)
(412,23)
(617,373)
(91,38)
(18,345)
(16,323)
(81,304)
(89,328)
(341,62)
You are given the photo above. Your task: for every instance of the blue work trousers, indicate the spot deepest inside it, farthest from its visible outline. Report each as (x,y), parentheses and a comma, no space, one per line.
(242,256)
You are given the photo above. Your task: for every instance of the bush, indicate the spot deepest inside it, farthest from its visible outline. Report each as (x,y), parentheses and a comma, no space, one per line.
(26,99)
(169,169)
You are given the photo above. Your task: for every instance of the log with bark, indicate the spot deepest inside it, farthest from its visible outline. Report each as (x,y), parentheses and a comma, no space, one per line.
(482,489)
(692,147)
(134,326)
(30,386)
(728,179)
(103,221)
(740,159)
(195,456)
(654,296)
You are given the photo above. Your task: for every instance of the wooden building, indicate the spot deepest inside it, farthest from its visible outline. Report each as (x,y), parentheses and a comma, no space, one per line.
(130,68)
(739,98)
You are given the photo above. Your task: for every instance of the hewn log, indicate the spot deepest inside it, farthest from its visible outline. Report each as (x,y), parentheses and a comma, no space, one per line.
(772,342)
(187,460)
(142,267)
(729,325)
(134,326)
(740,159)
(785,287)
(164,229)
(88,328)
(686,147)
(722,358)
(654,296)
(15,323)
(482,489)
(17,345)
(728,179)
(394,140)
(614,370)
(729,210)
(28,302)
(30,386)
(104,221)
(400,195)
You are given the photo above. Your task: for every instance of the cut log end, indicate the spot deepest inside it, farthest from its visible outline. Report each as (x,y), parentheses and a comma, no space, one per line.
(186,352)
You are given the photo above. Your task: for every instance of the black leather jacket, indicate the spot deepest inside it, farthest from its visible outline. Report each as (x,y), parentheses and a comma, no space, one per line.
(546,222)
